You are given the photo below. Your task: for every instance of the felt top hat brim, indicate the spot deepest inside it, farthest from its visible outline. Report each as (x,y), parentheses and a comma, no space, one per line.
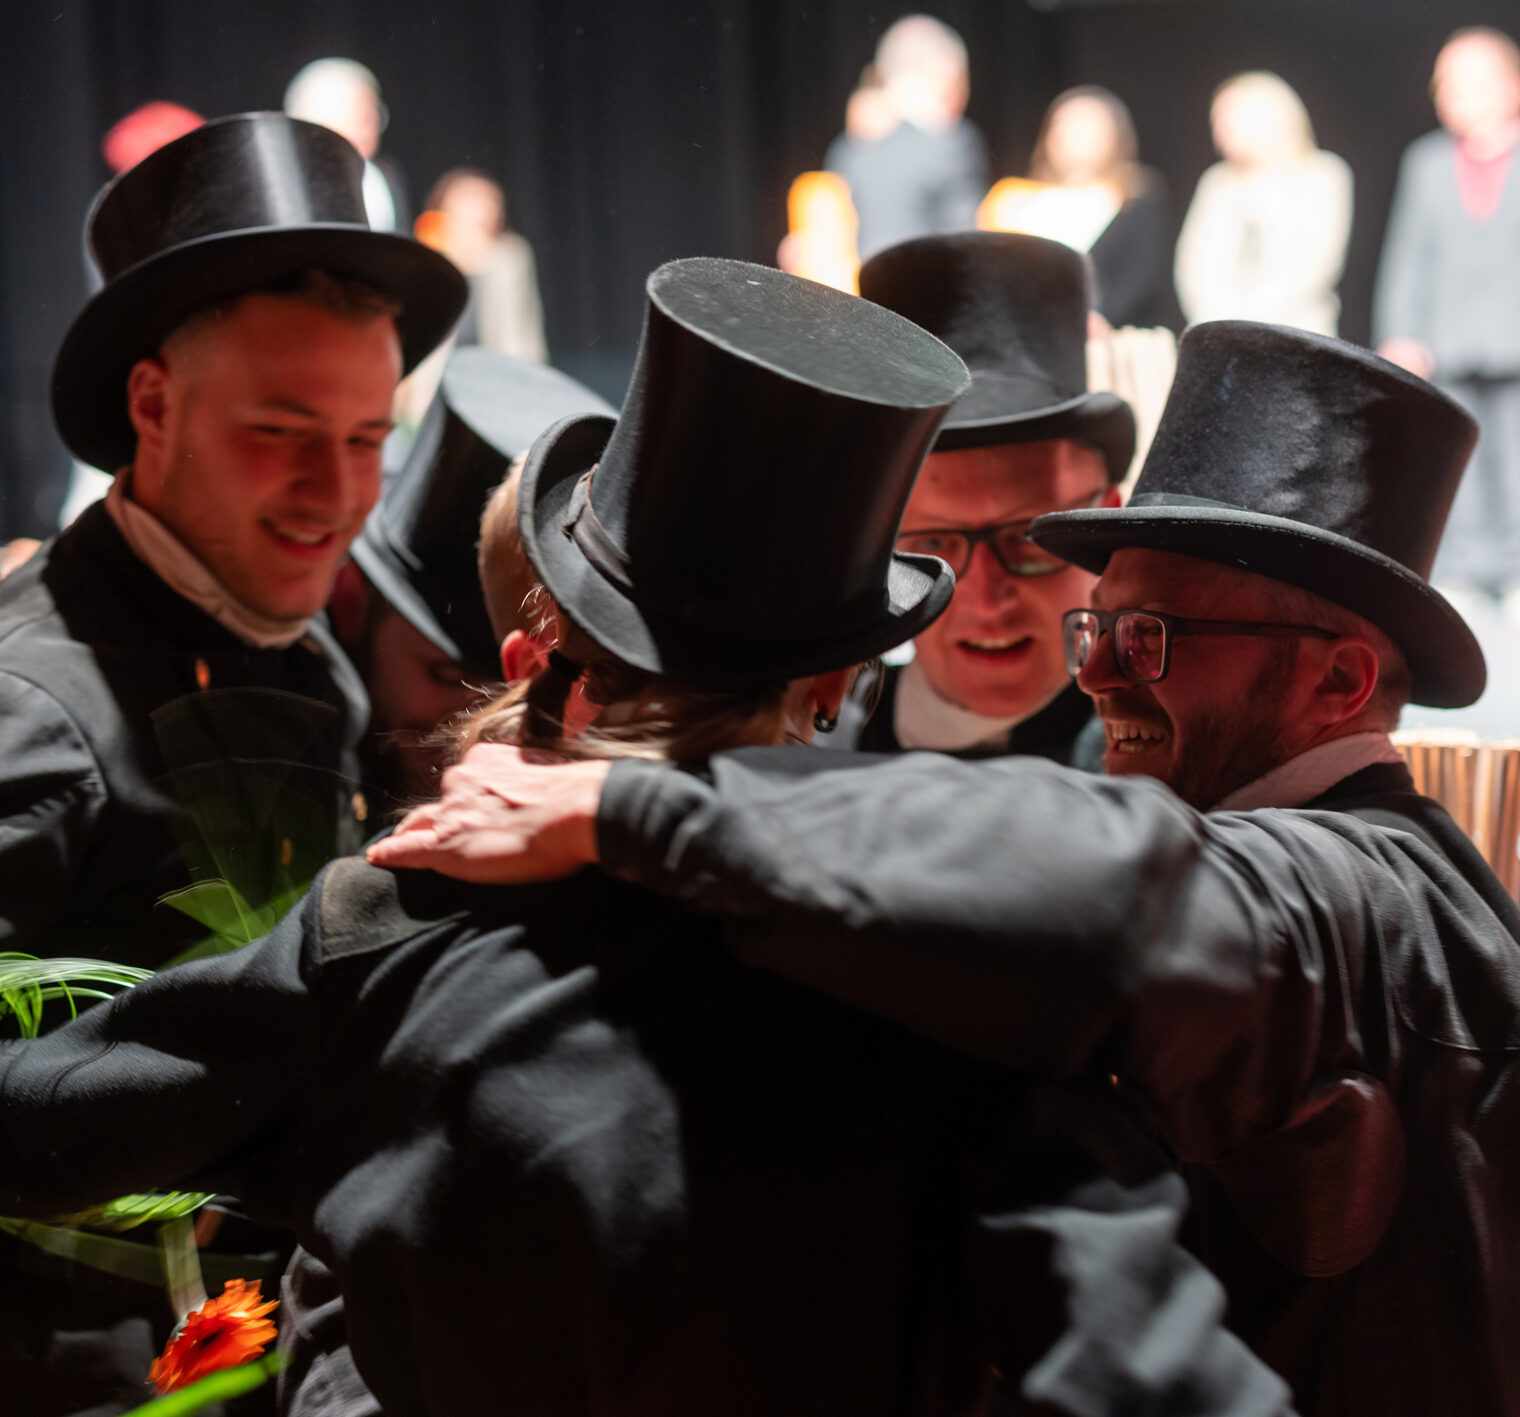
(1365,456)
(238,205)
(417,547)
(1015,308)
(918,589)
(1101,420)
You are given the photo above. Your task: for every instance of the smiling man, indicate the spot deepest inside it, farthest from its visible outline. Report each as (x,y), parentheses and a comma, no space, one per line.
(988,678)
(170,710)
(1299,968)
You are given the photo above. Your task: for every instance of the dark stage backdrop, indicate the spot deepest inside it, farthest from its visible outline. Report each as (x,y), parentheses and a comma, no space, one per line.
(628,132)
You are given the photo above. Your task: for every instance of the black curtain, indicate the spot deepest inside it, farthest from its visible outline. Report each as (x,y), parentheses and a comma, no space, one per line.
(630,133)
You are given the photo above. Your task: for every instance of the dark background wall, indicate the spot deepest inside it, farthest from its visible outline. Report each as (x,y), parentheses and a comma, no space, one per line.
(628,132)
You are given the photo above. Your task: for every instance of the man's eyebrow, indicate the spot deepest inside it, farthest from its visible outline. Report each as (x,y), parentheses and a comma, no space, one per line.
(300,410)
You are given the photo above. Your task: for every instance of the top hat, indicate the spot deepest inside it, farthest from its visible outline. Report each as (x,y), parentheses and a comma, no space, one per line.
(238,205)
(735,526)
(1311,461)
(418,545)
(1015,309)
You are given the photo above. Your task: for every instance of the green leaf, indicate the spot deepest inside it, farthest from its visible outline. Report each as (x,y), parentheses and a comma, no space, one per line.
(219,1387)
(128,1212)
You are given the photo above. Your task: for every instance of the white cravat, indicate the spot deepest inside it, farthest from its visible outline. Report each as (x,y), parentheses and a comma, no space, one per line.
(921,718)
(186,574)
(1303,778)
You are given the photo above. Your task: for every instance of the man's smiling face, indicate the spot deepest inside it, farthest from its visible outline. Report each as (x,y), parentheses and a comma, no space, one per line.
(259,438)
(1226,712)
(997,649)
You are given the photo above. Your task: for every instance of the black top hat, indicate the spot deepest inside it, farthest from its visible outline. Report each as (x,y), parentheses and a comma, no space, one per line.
(240,204)
(1015,309)
(1311,461)
(738,529)
(418,546)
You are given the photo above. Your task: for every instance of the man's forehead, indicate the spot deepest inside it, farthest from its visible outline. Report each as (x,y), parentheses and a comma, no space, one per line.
(1142,579)
(1015,477)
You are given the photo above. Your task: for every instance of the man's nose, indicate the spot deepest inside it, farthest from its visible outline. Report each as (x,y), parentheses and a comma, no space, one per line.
(1101,672)
(328,477)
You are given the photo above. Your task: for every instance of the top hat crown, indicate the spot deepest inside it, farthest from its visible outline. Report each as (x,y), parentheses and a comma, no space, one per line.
(418,545)
(738,526)
(1015,308)
(1311,461)
(239,204)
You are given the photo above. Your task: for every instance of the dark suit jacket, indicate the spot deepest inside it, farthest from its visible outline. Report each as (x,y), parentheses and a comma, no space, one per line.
(1447,280)
(565,1155)
(143,746)
(1320,1009)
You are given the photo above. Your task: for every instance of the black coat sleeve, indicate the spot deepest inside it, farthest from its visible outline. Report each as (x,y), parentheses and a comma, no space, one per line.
(1034,916)
(164,1086)
(52,795)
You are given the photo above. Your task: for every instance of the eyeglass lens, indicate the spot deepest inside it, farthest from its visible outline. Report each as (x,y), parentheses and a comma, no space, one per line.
(1014,551)
(1139,644)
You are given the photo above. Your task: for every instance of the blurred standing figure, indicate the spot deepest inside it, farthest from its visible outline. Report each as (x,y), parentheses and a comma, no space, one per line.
(928,170)
(1088,190)
(343,95)
(1265,236)
(1447,304)
(466,219)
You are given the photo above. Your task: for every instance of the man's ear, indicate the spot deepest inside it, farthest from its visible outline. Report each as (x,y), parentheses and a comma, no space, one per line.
(829,690)
(1348,677)
(348,605)
(147,399)
(522,656)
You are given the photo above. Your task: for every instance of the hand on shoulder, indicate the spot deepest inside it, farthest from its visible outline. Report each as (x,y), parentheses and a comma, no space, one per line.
(502,819)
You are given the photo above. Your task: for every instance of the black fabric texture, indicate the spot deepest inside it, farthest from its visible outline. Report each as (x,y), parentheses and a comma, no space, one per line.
(1318,1008)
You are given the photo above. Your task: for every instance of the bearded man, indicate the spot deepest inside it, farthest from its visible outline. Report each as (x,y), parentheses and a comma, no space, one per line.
(1301,970)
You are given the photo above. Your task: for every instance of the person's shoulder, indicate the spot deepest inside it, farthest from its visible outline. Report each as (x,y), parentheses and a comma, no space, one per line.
(1430,149)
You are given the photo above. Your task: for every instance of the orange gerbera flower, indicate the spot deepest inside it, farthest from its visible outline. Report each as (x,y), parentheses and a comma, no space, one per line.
(222,1333)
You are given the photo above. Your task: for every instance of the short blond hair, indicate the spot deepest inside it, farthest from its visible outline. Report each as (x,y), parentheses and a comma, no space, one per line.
(514,598)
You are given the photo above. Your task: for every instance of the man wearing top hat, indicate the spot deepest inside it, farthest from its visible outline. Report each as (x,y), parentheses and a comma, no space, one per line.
(408,608)
(1299,968)
(171,711)
(563,1155)
(988,677)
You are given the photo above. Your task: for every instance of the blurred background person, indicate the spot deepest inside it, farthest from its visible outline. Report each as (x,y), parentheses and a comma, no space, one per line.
(916,165)
(127,142)
(466,219)
(1265,235)
(343,95)
(1087,189)
(1447,303)
(820,242)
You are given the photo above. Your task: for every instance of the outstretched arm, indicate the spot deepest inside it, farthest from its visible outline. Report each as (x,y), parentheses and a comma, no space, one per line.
(161,1086)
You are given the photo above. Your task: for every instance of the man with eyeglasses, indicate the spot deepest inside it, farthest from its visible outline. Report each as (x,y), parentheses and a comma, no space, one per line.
(987,678)
(1299,969)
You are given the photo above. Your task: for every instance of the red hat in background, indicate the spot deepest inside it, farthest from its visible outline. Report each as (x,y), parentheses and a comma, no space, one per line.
(145,130)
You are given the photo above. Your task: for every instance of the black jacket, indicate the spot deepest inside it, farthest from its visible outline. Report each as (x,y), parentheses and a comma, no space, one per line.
(1320,1009)
(1066,730)
(566,1156)
(143,746)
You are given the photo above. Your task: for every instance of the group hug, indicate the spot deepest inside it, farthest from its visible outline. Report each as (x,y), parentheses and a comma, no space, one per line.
(627,995)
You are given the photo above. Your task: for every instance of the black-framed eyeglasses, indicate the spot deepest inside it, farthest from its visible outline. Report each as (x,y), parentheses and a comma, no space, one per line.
(1008,541)
(1142,639)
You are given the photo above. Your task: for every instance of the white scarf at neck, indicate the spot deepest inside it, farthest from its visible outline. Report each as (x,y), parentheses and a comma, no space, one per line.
(1305,777)
(921,718)
(186,574)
